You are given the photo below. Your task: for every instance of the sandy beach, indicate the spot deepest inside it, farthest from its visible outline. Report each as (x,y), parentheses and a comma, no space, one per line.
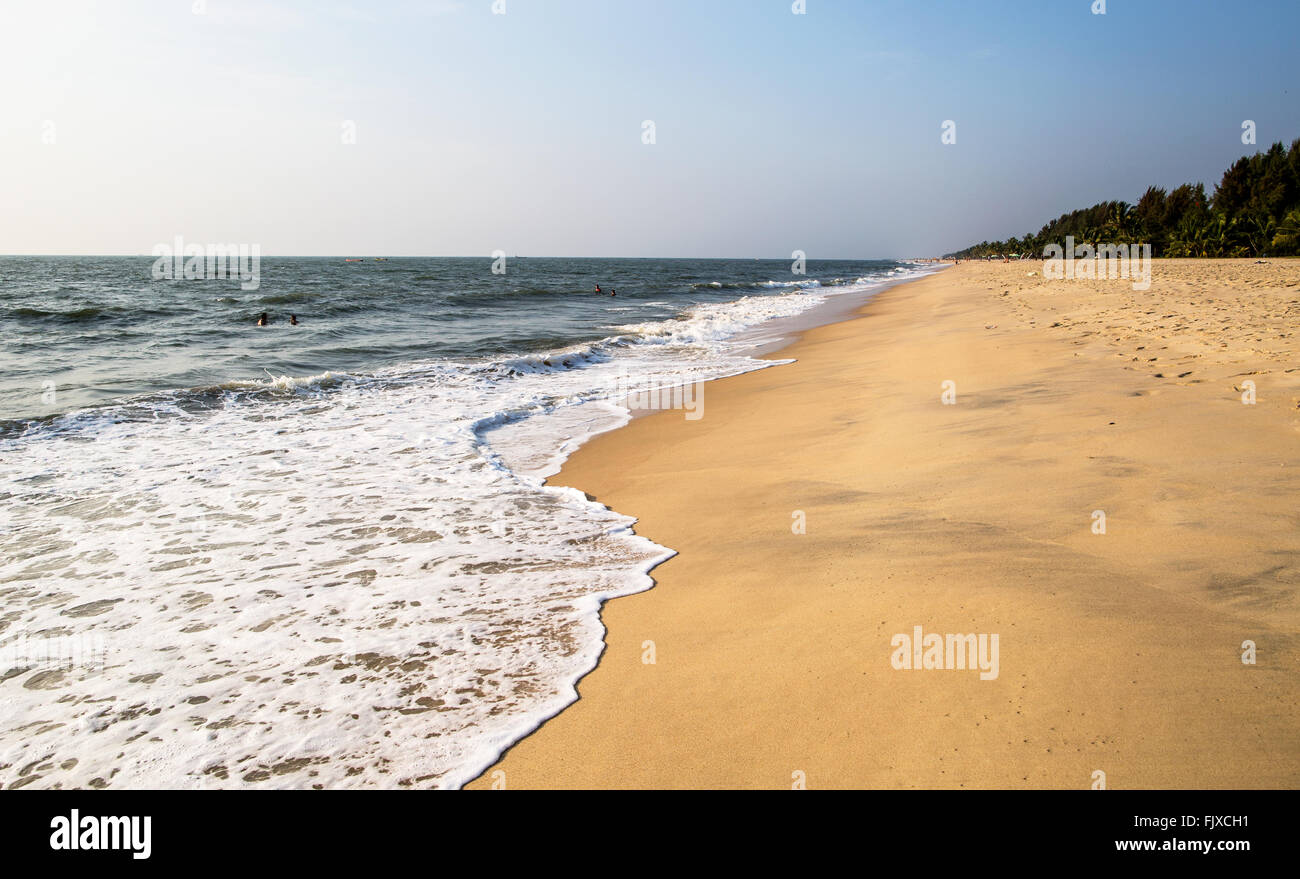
(1120,652)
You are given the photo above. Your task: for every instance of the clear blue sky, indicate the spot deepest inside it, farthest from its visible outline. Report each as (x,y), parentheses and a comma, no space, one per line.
(523,132)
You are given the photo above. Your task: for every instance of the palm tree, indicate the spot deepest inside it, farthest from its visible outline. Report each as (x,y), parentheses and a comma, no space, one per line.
(1259,232)
(1287,239)
(1118,227)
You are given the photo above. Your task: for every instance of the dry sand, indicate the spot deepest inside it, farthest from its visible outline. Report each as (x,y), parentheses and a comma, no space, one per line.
(1119,652)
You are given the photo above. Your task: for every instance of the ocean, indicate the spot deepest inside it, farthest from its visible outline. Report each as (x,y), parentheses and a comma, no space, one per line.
(323,555)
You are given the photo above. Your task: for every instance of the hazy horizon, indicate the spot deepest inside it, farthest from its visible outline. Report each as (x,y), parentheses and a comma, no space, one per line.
(416,128)
(364,255)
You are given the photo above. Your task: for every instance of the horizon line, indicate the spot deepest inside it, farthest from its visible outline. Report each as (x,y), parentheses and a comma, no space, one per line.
(490,257)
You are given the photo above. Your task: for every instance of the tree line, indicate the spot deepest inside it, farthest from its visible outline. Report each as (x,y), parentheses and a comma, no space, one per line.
(1255,211)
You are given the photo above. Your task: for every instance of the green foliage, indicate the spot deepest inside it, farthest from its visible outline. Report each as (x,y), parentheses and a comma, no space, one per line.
(1255,211)
(1287,240)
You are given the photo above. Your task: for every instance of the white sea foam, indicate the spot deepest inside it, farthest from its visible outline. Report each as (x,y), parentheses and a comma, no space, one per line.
(335,581)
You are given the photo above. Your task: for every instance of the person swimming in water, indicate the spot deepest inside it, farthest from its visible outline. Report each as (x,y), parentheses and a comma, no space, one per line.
(597,288)
(613,292)
(263,320)
(293,320)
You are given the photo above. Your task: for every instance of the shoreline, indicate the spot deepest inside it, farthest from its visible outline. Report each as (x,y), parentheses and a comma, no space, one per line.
(924,514)
(768,339)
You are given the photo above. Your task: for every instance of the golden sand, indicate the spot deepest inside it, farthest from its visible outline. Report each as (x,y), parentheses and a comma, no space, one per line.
(1119,652)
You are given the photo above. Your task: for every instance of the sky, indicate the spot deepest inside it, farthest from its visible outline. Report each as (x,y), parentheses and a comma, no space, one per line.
(444,128)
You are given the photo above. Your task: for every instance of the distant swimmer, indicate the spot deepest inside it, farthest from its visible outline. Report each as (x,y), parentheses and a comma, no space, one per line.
(263,319)
(613,292)
(293,320)
(597,288)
